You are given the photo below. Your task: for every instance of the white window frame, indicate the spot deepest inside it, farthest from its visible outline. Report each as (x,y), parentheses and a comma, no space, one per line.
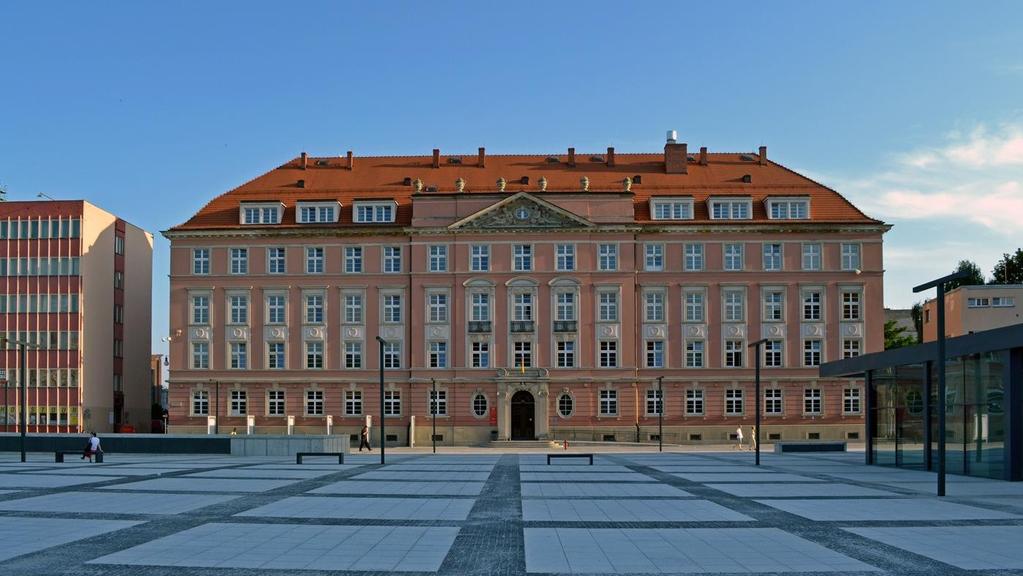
(364,212)
(695,352)
(695,402)
(733,305)
(730,208)
(238,355)
(522,257)
(733,348)
(565,352)
(655,354)
(260,213)
(353,355)
(773,309)
(437,354)
(733,256)
(276,263)
(812,309)
(607,257)
(607,351)
(437,258)
(479,353)
(437,307)
(201,258)
(479,258)
(607,306)
(694,306)
(788,208)
(852,400)
(276,359)
(655,400)
(774,353)
(320,212)
(771,260)
(852,256)
(852,305)
(564,257)
(353,308)
(653,257)
(353,256)
(608,402)
(693,254)
(735,402)
(654,305)
(669,208)
(813,256)
(238,261)
(315,353)
(813,401)
(391,263)
(238,402)
(276,402)
(774,402)
(813,352)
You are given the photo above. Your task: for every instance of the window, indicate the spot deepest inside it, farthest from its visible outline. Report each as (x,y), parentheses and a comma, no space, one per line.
(480,308)
(784,209)
(439,402)
(353,355)
(978,302)
(733,353)
(260,214)
(851,401)
(565,405)
(392,308)
(774,306)
(812,305)
(694,257)
(316,213)
(811,256)
(850,256)
(564,257)
(608,353)
(608,402)
(811,353)
(370,212)
(276,260)
(353,403)
(850,305)
(275,355)
(438,354)
(353,308)
(239,308)
(239,260)
(1003,301)
(607,257)
(118,244)
(275,309)
(733,257)
(479,258)
(437,305)
(730,209)
(392,259)
(522,354)
(314,309)
(564,306)
(850,348)
(565,353)
(772,257)
(200,355)
(654,257)
(200,403)
(694,307)
(733,401)
(654,306)
(438,258)
(812,401)
(314,260)
(239,403)
(773,353)
(522,257)
(392,355)
(353,259)
(655,354)
(479,405)
(674,209)
(773,401)
(392,403)
(275,403)
(694,402)
(314,355)
(118,348)
(608,306)
(654,405)
(200,261)
(694,353)
(735,308)
(480,354)
(522,307)
(118,279)
(200,309)
(314,403)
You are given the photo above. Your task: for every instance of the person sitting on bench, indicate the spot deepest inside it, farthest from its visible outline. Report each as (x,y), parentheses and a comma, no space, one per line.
(92,447)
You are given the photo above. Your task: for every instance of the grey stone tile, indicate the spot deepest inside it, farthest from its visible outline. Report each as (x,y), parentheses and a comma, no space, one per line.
(182,484)
(628,511)
(115,503)
(370,508)
(49,481)
(601,490)
(797,490)
(584,477)
(25,535)
(874,509)
(261,473)
(384,487)
(746,477)
(424,476)
(966,547)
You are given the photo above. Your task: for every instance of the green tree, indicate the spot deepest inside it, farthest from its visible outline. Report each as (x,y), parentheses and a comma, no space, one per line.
(917,313)
(895,336)
(1009,270)
(975,275)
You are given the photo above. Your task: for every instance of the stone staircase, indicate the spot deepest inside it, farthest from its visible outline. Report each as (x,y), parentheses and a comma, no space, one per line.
(521,444)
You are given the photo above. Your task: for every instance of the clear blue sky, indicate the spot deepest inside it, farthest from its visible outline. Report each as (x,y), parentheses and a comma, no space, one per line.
(148,109)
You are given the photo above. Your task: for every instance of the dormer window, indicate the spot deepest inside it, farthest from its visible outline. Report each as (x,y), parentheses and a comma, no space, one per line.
(318,212)
(730,208)
(371,212)
(671,208)
(261,213)
(788,208)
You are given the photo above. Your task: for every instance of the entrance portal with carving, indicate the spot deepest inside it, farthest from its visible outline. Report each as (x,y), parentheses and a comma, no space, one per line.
(523,416)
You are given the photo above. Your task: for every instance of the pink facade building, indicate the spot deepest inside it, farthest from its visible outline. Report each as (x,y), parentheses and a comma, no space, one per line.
(543,295)
(76,284)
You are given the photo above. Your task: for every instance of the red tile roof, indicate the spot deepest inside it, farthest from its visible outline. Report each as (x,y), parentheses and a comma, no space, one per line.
(383,178)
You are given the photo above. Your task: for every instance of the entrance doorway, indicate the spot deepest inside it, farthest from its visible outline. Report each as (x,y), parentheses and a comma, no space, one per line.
(523,416)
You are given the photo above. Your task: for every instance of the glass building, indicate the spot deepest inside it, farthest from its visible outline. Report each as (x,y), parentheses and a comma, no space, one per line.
(983,404)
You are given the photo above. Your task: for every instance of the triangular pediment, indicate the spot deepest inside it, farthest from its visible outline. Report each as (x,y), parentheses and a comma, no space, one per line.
(521,211)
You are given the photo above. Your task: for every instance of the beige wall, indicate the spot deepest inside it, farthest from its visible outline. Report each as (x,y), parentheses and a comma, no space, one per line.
(97,305)
(138,315)
(960,319)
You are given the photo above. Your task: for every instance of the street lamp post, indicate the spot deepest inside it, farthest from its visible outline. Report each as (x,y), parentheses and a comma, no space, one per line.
(433,413)
(940,363)
(756,377)
(22,346)
(383,437)
(660,414)
(216,406)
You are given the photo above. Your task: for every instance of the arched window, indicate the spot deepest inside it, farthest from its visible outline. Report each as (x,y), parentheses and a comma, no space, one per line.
(565,405)
(479,405)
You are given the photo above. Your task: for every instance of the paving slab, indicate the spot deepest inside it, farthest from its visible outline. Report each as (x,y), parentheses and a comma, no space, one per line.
(745,477)
(798,490)
(114,503)
(600,490)
(573,468)
(371,508)
(181,484)
(876,509)
(25,535)
(378,487)
(261,473)
(966,547)
(49,481)
(441,467)
(605,510)
(117,471)
(437,476)
(584,477)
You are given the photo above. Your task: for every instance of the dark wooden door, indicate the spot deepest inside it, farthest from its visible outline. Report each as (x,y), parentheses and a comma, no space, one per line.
(523,416)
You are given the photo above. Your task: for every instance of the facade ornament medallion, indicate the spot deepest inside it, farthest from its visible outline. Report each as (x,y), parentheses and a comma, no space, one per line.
(542,183)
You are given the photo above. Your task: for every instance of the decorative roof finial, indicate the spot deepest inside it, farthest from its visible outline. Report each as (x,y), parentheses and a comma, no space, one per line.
(542,182)
(627,184)
(585,183)
(460,184)
(417,185)
(501,183)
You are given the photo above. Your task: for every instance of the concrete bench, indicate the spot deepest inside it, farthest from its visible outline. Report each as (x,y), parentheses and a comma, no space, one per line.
(814,446)
(300,455)
(549,456)
(58,456)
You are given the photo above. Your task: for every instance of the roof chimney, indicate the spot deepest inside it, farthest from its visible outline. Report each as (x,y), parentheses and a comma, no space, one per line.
(763,155)
(672,136)
(483,157)
(351,161)
(610,157)
(571,157)
(305,160)
(703,155)
(436,157)
(676,157)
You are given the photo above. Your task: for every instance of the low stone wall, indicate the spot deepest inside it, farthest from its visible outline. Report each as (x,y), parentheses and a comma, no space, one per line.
(272,445)
(125,443)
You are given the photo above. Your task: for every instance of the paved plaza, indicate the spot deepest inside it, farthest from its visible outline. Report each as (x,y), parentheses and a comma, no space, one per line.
(491,512)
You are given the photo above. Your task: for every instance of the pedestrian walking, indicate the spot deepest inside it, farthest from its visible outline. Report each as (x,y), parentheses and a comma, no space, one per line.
(92,448)
(364,439)
(753,437)
(738,437)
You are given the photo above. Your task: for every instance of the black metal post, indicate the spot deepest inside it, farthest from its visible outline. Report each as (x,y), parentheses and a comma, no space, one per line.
(24,396)
(433,413)
(216,408)
(660,414)
(383,437)
(869,401)
(756,392)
